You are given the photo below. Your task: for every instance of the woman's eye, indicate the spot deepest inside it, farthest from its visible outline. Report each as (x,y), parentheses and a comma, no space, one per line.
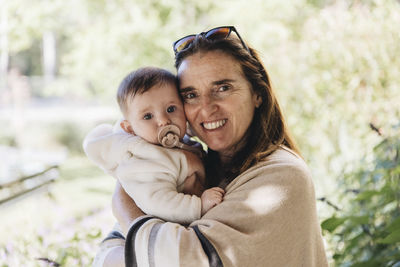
(223,88)
(147,116)
(171,109)
(189,95)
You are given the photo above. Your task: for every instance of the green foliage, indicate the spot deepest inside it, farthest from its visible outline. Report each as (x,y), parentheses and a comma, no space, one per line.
(118,36)
(367,230)
(335,79)
(335,66)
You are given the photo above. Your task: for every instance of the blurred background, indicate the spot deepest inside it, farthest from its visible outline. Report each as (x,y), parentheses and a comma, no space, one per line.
(335,65)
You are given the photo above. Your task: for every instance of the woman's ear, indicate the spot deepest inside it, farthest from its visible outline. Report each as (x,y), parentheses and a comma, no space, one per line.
(126,126)
(257,100)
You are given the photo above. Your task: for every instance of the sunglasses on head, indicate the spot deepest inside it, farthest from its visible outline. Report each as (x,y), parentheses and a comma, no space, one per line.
(213,34)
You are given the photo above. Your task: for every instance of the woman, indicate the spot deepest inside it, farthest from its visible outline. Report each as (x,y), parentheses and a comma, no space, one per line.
(268,215)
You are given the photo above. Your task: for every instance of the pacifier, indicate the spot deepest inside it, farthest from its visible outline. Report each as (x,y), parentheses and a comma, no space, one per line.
(168,136)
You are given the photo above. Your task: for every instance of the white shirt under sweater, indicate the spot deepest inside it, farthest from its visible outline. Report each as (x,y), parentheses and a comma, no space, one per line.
(152,175)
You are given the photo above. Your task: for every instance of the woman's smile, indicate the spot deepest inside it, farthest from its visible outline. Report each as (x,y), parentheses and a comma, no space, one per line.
(214,124)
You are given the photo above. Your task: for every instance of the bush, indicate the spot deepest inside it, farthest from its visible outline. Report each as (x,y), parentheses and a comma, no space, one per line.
(367,229)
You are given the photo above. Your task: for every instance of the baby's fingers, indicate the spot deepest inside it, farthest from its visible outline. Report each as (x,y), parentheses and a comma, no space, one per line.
(218,189)
(218,197)
(216,194)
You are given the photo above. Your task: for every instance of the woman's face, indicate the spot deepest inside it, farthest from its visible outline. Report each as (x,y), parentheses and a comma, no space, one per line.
(218,100)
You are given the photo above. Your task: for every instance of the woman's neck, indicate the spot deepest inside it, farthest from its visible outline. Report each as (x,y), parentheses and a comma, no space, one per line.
(225,159)
(226,156)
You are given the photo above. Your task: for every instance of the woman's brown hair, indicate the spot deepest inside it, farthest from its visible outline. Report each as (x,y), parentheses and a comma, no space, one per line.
(267,131)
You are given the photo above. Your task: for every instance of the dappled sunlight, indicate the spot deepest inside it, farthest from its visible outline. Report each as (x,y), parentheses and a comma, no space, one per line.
(230,253)
(265,199)
(335,66)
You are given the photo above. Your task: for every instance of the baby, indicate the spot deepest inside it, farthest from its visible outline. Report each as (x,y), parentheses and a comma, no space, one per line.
(164,181)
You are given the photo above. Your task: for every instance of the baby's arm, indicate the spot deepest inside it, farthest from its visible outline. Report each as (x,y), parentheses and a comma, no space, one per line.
(154,177)
(194,184)
(107,148)
(195,180)
(210,198)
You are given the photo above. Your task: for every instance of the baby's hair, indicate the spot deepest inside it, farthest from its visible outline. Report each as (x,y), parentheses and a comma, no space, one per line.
(140,81)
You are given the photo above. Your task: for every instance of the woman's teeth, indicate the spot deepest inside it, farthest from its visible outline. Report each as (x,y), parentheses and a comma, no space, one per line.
(214,125)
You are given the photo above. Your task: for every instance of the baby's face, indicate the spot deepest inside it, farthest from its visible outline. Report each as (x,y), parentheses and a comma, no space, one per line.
(155,108)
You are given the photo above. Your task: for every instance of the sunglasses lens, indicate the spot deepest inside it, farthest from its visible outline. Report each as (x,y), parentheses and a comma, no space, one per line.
(213,34)
(218,33)
(183,43)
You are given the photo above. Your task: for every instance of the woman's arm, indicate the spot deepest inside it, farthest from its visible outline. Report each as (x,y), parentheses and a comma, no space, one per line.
(124,208)
(131,218)
(126,211)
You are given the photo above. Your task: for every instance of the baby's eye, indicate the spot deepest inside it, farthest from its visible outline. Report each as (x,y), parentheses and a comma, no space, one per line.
(171,109)
(147,116)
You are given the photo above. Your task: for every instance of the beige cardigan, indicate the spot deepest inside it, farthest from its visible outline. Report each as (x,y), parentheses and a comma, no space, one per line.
(267,218)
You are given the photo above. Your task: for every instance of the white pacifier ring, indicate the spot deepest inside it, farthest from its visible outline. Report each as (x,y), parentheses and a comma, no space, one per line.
(168,136)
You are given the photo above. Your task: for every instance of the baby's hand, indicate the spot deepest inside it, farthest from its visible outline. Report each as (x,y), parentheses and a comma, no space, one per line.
(210,198)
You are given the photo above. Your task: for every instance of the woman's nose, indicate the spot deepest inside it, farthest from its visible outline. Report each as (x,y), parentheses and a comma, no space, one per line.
(208,104)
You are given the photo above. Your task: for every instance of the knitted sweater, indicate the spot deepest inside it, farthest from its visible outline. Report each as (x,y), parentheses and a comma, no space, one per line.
(267,218)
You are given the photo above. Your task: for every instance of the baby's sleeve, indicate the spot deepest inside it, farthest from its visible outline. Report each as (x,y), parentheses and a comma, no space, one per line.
(153,177)
(107,148)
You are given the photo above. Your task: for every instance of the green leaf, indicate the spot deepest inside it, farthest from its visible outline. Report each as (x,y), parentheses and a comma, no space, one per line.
(332,223)
(392,238)
(395,225)
(355,242)
(367,194)
(369,263)
(359,219)
(337,256)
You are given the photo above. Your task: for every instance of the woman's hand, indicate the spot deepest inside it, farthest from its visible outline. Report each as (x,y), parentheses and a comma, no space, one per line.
(124,208)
